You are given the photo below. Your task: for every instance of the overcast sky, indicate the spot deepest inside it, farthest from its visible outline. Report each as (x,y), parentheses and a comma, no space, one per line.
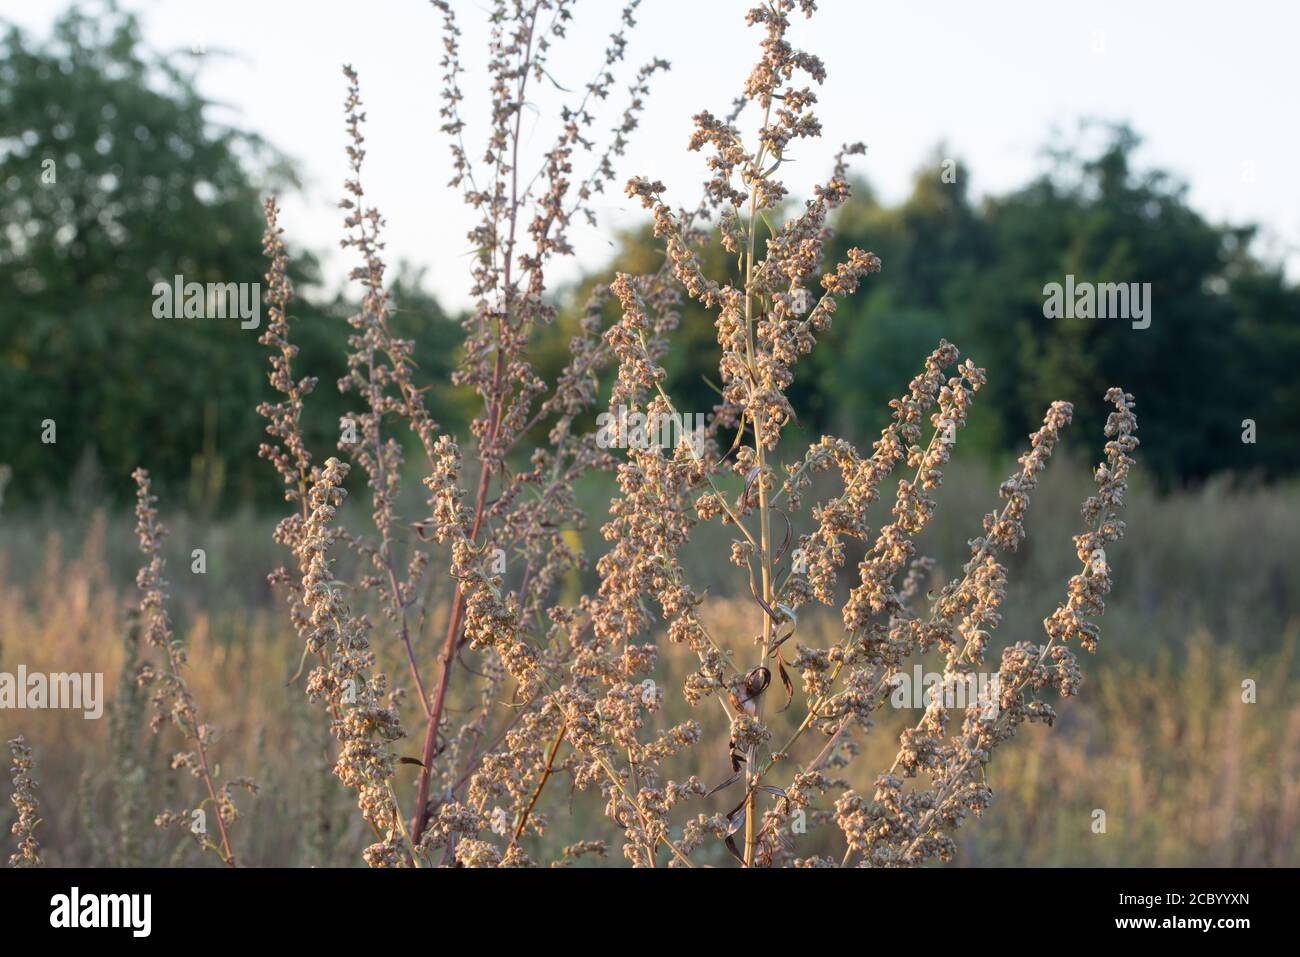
(1211,88)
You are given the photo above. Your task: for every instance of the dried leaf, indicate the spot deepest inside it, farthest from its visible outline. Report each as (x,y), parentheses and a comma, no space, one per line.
(785,543)
(785,680)
(725,784)
(743,503)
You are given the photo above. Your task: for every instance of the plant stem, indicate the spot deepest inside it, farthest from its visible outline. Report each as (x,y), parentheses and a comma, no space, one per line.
(546,773)
(765,550)
(486,449)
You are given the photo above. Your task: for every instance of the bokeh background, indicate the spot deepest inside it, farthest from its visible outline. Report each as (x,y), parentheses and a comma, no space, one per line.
(1114,144)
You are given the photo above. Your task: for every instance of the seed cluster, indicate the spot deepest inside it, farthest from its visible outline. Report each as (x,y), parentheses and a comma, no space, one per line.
(535,681)
(25,802)
(172,701)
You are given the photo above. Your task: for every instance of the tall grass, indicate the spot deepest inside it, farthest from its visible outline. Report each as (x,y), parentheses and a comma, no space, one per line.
(1158,737)
(471,676)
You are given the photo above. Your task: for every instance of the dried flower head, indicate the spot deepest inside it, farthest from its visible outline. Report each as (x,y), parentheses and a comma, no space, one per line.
(24,800)
(173,703)
(552,684)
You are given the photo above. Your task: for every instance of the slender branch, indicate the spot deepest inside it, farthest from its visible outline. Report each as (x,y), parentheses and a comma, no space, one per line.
(546,774)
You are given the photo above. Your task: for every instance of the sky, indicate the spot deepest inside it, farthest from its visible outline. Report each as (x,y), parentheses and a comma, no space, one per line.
(1207,86)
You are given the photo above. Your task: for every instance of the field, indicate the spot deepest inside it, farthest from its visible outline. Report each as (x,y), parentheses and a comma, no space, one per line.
(1159,737)
(683,536)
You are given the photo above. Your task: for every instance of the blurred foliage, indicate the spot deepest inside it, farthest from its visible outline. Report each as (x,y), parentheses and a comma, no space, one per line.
(146,186)
(1188,775)
(1225,324)
(143,186)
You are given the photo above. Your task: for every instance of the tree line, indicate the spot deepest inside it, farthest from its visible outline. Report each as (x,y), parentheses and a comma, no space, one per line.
(112,178)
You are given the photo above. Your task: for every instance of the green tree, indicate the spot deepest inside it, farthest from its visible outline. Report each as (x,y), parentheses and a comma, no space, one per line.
(1194,370)
(1223,339)
(113,176)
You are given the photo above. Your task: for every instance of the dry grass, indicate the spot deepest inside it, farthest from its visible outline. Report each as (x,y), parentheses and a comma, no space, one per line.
(1158,736)
(480,692)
